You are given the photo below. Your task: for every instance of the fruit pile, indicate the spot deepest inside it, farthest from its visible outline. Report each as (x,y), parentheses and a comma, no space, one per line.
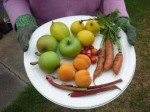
(70,47)
(79,48)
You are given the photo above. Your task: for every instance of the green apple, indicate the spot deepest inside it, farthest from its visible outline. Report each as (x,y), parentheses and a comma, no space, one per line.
(69,47)
(47,43)
(49,61)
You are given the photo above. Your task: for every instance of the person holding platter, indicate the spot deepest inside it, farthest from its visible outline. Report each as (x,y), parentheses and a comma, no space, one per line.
(27,15)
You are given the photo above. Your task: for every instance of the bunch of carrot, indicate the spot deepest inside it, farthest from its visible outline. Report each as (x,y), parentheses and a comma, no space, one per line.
(106,58)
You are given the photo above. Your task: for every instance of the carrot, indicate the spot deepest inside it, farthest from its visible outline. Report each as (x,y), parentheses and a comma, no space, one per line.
(100,63)
(101,59)
(109,31)
(109,55)
(117,63)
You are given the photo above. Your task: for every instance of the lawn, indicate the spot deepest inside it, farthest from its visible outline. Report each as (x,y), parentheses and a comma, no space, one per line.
(136,98)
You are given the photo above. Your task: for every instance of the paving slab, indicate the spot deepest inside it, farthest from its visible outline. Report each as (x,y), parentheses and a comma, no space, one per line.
(10,86)
(12,55)
(13,77)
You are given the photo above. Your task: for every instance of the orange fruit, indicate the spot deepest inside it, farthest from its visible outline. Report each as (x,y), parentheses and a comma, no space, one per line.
(66,72)
(81,62)
(82,78)
(85,57)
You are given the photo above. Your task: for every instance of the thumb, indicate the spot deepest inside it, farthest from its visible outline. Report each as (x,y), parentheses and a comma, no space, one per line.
(131,34)
(24,42)
(23,36)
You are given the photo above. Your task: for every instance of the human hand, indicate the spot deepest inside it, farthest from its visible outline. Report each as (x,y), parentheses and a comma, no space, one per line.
(25,25)
(23,36)
(129,29)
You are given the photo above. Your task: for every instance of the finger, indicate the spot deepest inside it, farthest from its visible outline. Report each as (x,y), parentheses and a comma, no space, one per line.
(23,39)
(24,42)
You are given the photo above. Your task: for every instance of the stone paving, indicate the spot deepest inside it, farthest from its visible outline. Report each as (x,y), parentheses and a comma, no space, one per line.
(13,77)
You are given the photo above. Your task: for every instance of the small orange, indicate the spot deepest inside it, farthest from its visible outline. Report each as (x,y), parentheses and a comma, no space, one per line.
(82,78)
(81,62)
(85,57)
(66,72)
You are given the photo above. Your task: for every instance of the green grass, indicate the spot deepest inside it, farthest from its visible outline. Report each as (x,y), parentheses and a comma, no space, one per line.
(136,98)
(31,101)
